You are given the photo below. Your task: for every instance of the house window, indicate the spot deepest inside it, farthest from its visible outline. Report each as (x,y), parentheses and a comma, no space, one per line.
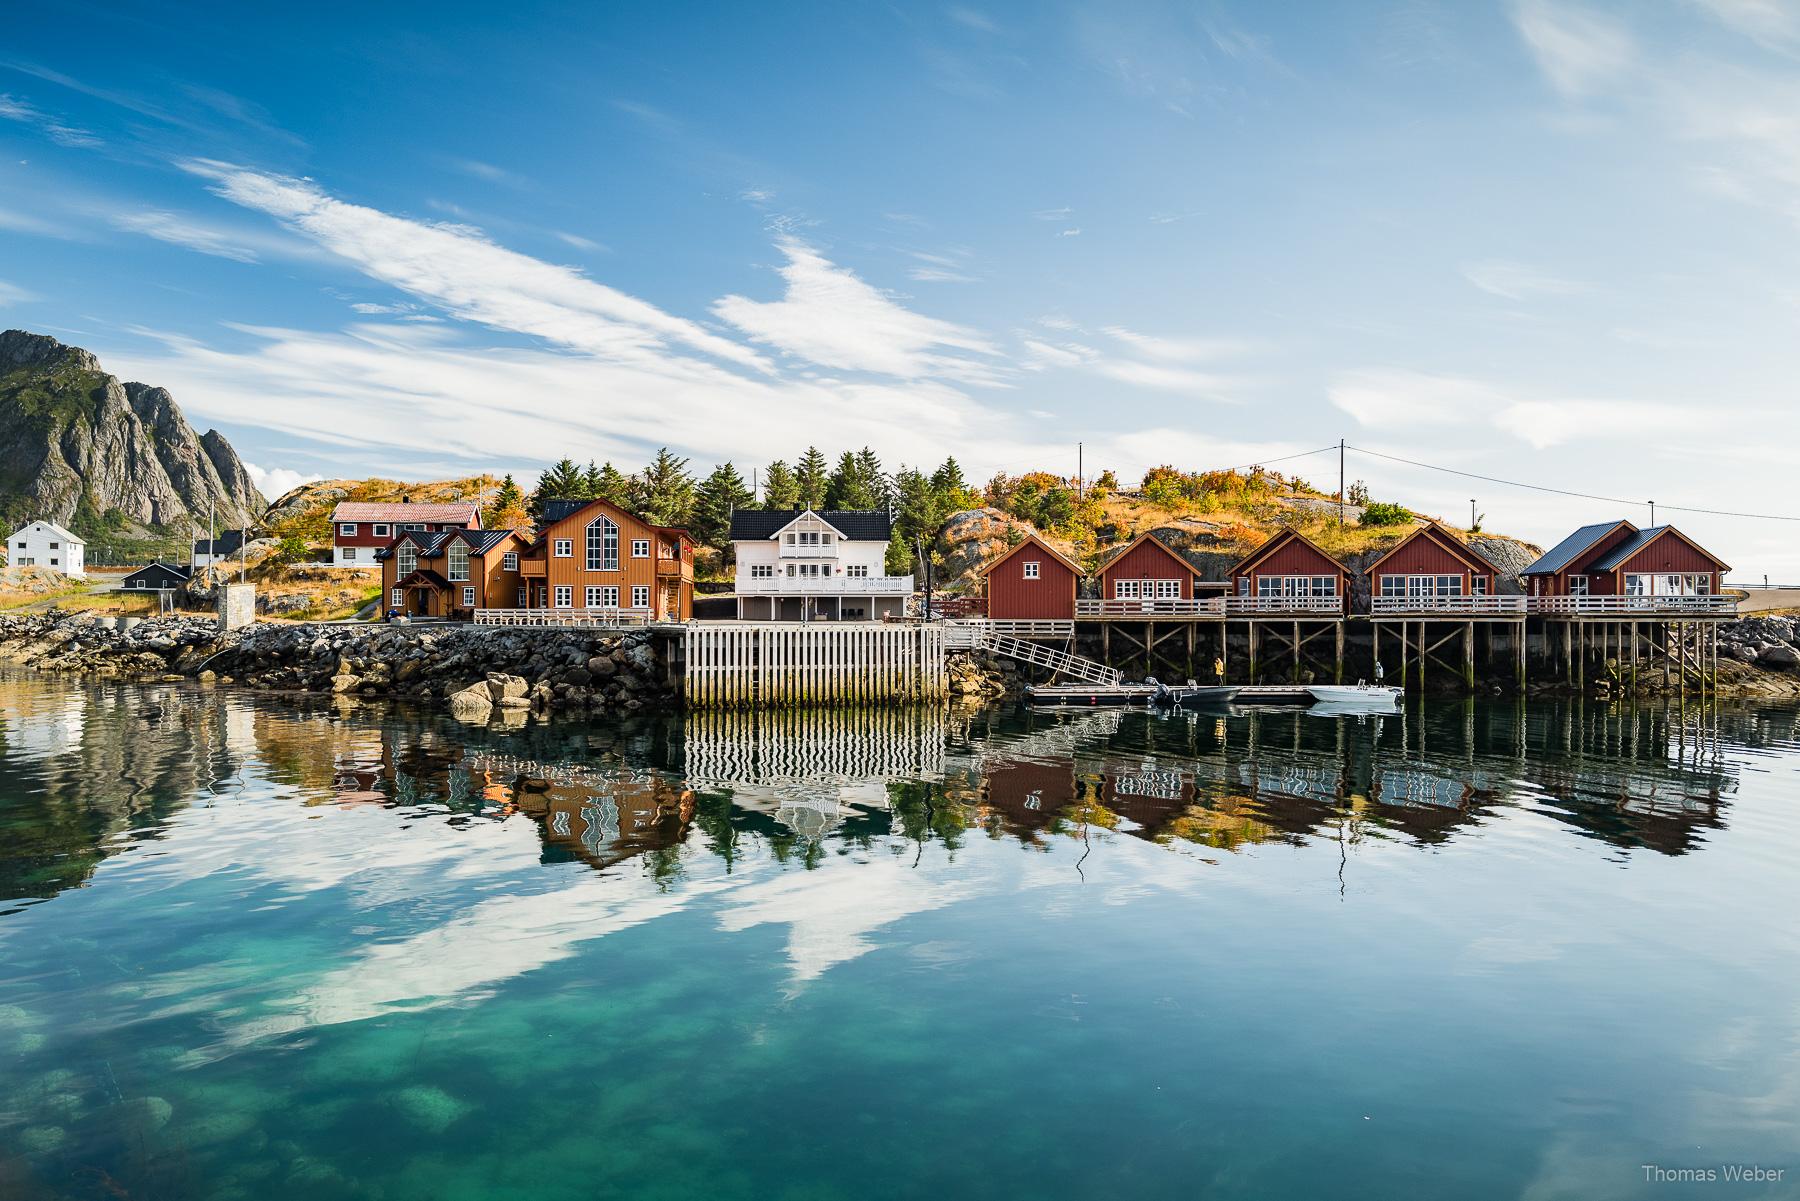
(609,596)
(1578,585)
(1479,585)
(469,597)
(524,600)
(349,554)
(397,598)
(762,571)
(603,545)
(592,599)
(1168,590)
(564,548)
(509,561)
(1125,589)
(1031,569)
(857,571)
(412,525)
(406,560)
(458,561)
(346,529)
(56,546)
(640,596)
(380,529)
(640,548)
(565,596)
(55,562)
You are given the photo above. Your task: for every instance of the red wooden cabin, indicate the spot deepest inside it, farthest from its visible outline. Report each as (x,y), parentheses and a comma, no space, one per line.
(1430,564)
(1147,570)
(1290,571)
(1618,559)
(1032,582)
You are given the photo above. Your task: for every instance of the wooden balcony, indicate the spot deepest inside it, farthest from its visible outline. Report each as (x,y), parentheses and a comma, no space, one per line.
(1284,606)
(533,568)
(1712,605)
(1448,606)
(671,565)
(1207,606)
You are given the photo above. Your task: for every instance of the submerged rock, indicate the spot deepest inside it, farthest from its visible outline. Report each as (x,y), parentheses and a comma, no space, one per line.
(429,1107)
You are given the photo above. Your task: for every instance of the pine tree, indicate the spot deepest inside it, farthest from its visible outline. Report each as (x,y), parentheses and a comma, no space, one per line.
(719,495)
(811,477)
(562,482)
(507,511)
(611,484)
(949,477)
(780,489)
(590,481)
(666,490)
(849,488)
(881,489)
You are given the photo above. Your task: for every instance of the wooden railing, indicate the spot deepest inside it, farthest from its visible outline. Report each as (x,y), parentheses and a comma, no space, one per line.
(609,618)
(1469,606)
(961,635)
(1658,606)
(1284,605)
(1200,606)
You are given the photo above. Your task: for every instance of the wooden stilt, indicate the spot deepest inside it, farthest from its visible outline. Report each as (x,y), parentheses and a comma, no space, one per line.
(1469,656)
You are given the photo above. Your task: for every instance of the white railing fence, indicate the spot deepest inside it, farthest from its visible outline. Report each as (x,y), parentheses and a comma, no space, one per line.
(1644,605)
(1469,605)
(564,617)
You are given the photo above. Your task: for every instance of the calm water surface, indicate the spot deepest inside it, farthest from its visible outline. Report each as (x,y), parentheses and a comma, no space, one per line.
(249,950)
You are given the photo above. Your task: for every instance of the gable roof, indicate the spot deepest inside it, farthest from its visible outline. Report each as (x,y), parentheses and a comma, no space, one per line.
(478,541)
(179,570)
(556,510)
(562,510)
(1277,542)
(1444,538)
(1034,540)
(1570,548)
(855,525)
(53,529)
(1643,538)
(429,542)
(1153,540)
(227,543)
(460,512)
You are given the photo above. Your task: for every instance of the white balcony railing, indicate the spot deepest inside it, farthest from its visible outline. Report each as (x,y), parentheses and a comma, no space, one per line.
(809,552)
(1461,606)
(1201,606)
(832,585)
(1578,606)
(564,617)
(1284,604)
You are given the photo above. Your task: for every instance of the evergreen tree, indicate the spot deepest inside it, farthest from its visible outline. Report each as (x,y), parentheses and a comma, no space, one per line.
(719,495)
(949,477)
(850,487)
(609,483)
(780,489)
(590,481)
(812,478)
(881,489)
(666,490)
(507,511)
(562,482)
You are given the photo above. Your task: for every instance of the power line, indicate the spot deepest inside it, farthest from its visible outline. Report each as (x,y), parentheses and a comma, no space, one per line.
(1611,500)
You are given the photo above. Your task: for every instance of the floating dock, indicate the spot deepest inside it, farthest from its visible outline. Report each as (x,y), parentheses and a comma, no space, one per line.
(1099,696)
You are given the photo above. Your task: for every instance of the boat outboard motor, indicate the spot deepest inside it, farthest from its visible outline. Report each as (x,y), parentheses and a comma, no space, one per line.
(1162,698)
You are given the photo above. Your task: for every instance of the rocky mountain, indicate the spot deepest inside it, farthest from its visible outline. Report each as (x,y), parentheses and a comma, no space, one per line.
(80,447)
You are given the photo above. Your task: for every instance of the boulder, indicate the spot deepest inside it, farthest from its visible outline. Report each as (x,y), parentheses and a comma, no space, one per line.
(500,686)
(344,682)
(1781,657)
(474,703)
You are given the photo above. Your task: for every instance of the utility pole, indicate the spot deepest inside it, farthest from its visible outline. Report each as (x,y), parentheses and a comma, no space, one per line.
(1080,470)
(1471,513)
(1340,481)
(1652,514)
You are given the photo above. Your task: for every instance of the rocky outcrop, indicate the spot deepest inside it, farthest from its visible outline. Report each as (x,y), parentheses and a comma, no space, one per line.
(509,670)
(972,538)
(78,446)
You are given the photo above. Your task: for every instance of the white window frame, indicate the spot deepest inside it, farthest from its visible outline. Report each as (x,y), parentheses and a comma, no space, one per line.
(406,560)
(523,599)
(602,544)
(1031,569)
(762,571)
(563,597)
(397,598)
(640,596)
(349,553)
(380,529)
(1125,589)
(857,571)
(469,596)
(640,548)
(346,529)
(509,561)
(456,561)
(1168,589)
(563,548)
(1579,586)
(591,597)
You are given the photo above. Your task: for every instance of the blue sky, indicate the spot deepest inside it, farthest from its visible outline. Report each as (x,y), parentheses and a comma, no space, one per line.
(1533,240)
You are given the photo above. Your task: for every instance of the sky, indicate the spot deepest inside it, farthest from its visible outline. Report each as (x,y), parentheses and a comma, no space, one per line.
(1537,241)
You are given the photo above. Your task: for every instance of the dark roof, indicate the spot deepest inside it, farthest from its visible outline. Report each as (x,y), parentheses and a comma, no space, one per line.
(1565,552)
(227,543)
(858,525)
(424,575)
(179,571)
(487,541)
(429,542)
(1638,542)
(556,510)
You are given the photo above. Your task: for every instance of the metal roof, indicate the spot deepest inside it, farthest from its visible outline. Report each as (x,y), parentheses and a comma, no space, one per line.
(858,525)
(358,510)
(227,543)
(1565,552)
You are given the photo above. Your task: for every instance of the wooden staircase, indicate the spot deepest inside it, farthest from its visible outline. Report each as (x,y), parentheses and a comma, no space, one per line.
(1062,662)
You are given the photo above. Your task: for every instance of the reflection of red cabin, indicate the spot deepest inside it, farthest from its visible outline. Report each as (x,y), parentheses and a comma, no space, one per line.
(1032,582)
(1028,796)
(1147,570)
(1289,566)
(1618,559)
(1431,561)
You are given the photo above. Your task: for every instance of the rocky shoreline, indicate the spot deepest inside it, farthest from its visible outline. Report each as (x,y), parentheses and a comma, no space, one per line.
(519,670)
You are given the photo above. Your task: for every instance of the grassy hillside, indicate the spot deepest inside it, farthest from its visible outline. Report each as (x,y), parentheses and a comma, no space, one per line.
(305,513)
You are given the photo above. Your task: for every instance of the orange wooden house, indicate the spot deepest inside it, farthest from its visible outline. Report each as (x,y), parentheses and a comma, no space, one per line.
(591,556)
(1032,581)
(451,573)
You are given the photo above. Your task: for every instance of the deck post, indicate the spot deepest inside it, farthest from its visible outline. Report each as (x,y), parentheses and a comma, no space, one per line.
(1253,640)
(1339,677)
(1469,655)
(1568,640)
(1375,647)
(1190,652)
(1296,676)
(1225,648)
(1519,636)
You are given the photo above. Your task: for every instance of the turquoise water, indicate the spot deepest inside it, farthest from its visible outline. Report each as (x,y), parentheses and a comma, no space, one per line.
(250,950)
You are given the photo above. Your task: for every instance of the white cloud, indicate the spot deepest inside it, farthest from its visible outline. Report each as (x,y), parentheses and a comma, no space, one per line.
(1056,214)
(277,481)
(1199,384)
(971,19)
(10,294)
(14,109)
(1546,423)
(1185,350)
(183,231)
(579,242)
(1579,51)
(1070,233)
(487,171)
(460,270)
(1517,281)
(830,317)
(1770,22)
(941,269)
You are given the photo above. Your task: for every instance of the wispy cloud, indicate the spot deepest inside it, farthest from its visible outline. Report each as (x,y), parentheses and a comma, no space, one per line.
(1055,214)
(1577,50)
(182,231)
(579,242)
(11,294)
(831,317)
(941,268)
(1771,22)
(970,18)
(1070,233)
(1185,350)
(463,272)
(486,171)
(14,109)
(1519,281)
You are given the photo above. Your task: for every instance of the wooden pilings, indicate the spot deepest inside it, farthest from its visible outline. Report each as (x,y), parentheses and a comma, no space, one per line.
(783,665)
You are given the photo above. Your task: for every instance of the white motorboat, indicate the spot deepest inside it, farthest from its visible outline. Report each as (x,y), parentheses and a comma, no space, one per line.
(1356,696)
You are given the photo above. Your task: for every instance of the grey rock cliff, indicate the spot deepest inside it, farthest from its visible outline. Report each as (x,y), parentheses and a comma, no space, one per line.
(76,445)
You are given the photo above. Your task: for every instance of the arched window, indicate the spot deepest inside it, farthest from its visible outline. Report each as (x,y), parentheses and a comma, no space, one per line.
(603,545)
